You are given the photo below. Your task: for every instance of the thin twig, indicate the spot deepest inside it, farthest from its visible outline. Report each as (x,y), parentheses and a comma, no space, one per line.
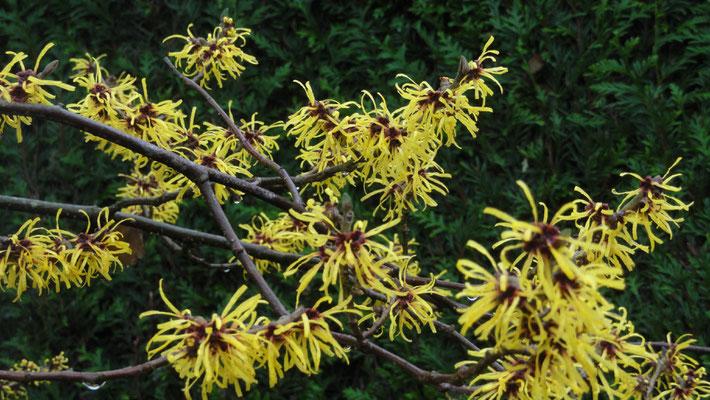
(146,224)
(381,320)
(145,201)
(696,349)
(176,247)
(428,377)
(308,177)
(420,280)
(88,377)
(488,359)
(405,232)
(661,366)
(265,161)
(450,330)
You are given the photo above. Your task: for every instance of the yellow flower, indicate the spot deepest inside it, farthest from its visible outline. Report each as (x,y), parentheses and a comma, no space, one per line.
(220,352)
(511,382)
(272,234)
(96,252)
(438,111)
(386,143)
(503,291)
(153,183)
(650,203)
(100,104)
(214,155)
(87,66)
(343,253)
(411,187)
(155,122)
(607,228)
(540,241)
(25,257)
(407,308)
(304,341)
(255,133)
(25,86)
(474,74)
(220,52)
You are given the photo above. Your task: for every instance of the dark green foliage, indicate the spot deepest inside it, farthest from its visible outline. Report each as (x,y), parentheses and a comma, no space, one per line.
(594,89)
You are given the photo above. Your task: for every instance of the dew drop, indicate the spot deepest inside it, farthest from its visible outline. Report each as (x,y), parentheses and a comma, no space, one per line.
(93,386)
(226,270)
(346,173)
(348,348)
(472,298)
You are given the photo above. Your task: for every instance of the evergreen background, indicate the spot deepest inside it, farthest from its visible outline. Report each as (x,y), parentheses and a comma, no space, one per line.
(593,89)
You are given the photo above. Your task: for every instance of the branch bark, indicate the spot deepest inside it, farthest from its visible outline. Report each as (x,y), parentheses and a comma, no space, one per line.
(153,152)
(237,248)
(88,377)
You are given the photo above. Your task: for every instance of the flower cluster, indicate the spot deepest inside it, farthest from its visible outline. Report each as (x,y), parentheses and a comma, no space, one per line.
(151,182)
(541,305)
(54,257)
(220,52)
(230,347)
(302,341)
(11,390)
(26,86)
(405,306)
(396,148)
(345,256)
(282,234)
(116,102)
(615,232)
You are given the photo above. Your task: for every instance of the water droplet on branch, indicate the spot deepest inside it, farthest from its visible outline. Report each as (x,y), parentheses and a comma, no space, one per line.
(93,386)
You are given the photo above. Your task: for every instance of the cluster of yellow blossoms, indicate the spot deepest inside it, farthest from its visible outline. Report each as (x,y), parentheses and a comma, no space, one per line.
(542,307)
(10,390)
(26,86)
(396,148)
(116,102)
(230,347)
(218,53)
(54,257)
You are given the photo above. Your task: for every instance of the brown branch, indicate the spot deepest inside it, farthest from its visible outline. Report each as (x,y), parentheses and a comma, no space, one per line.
(176,247)
(146,224)
(237,248)
(450,330)
(145,201)
(697,349)
(489,358)
(265,161)
(308,177)
(447,387)
(661,366)
(88,377)
(404,227)
(419,280)
(381,320)
(428,377)
(182,165)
